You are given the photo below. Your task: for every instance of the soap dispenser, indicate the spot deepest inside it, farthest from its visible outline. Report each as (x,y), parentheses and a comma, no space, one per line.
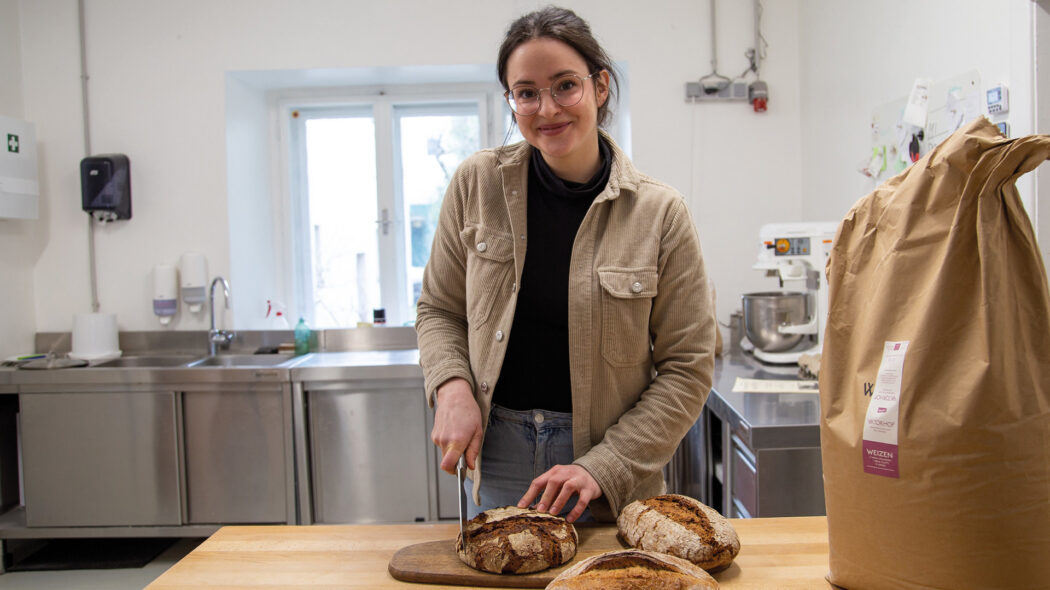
(193,268)
(165,287)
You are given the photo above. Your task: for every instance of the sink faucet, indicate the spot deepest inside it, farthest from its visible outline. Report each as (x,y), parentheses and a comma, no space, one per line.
(216,337)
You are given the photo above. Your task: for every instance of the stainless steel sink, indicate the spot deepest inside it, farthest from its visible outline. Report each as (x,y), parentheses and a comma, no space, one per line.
(146,362)
(242,360)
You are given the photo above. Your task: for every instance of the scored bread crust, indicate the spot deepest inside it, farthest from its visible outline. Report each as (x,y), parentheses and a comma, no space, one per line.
(512,540)
(681,526)
(633,569)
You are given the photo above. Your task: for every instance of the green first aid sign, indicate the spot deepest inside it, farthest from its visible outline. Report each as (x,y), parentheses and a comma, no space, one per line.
(12,143)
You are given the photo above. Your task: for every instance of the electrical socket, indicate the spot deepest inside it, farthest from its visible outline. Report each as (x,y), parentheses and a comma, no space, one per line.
(732,92)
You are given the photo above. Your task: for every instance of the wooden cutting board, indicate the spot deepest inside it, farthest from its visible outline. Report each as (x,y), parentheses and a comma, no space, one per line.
(436,562)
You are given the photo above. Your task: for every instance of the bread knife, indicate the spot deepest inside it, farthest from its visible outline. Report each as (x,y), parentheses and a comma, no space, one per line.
(461,472)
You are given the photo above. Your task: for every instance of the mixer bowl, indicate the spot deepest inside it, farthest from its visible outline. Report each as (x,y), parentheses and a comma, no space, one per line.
(765,312)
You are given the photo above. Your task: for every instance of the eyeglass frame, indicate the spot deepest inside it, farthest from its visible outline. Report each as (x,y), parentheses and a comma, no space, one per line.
(539,93)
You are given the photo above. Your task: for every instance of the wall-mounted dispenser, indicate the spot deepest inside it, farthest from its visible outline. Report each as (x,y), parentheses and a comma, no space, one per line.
(105,186)
(165,290)
(193,269)
(19,186)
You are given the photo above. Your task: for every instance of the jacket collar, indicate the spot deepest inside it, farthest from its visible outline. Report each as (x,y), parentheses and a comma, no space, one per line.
(623,176)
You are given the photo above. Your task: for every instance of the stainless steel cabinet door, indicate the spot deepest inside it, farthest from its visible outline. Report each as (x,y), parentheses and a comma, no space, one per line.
(446,500)
(100,459)
(368,445)
(238,465)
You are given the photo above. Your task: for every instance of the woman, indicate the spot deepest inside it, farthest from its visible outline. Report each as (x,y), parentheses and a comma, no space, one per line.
(565,328)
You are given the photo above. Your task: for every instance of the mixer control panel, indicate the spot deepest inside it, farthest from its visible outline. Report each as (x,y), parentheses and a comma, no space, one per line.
(791,246)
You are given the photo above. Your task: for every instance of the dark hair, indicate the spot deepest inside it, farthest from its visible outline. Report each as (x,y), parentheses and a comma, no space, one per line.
(563,25)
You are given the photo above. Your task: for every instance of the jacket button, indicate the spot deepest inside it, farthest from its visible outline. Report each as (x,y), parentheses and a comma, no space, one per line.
(484,386)
(482,246)
(637,287)
(499,335)
(538,417)
(522,237)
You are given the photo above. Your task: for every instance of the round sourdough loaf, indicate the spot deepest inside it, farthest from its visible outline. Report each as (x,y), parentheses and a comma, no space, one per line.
(512,540)
(633,569)
(680,526)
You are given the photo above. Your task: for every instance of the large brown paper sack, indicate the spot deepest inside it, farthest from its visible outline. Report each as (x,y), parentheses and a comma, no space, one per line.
(941,264)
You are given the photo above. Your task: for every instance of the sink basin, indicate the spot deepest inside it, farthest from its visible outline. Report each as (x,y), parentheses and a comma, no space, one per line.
(242,360)
(147,361)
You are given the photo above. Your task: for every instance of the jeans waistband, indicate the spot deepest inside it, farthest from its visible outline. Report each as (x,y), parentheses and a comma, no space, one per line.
(546,417)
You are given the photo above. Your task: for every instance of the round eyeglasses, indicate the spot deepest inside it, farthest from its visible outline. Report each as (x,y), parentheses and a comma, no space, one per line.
(566,91)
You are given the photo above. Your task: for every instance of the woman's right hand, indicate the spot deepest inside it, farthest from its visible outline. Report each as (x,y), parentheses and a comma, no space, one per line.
(457,424)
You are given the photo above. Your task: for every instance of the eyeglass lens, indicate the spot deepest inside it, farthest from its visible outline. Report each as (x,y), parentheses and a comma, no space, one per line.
(566,91)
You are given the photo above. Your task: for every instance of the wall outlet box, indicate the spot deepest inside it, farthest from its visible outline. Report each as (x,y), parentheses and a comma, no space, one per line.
(730,92)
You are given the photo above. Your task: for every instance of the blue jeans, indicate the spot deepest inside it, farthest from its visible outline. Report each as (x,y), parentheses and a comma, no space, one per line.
(519,447)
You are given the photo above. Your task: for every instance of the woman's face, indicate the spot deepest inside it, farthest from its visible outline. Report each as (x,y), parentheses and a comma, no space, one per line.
(566,136)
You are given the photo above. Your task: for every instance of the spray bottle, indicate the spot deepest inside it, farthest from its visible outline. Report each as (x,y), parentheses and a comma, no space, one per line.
(276,319)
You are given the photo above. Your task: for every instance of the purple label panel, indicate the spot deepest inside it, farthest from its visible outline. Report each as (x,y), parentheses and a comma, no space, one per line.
(880,459)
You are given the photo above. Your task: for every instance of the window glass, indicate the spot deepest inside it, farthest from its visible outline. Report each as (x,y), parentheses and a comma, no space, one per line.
(431,146)
(372,178)
(342,203)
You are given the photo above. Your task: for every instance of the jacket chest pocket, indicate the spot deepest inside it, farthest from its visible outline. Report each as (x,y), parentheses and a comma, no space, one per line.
(490,262)
(627,302)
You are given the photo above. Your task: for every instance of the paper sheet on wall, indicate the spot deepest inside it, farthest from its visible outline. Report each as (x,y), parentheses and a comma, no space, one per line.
(774,386)
(950,103)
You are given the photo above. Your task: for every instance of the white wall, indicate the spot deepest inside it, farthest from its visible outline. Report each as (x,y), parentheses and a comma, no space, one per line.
(19,242)
(255,265)
(856,56)
(157,93)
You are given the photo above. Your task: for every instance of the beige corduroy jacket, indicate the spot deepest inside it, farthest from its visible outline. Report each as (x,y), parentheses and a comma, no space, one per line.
(641,322)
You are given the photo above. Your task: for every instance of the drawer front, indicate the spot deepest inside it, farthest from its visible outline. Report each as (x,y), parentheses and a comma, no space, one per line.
(744,475)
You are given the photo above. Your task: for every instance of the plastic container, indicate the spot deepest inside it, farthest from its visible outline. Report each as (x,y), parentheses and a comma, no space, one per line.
(95,337)
(302,337)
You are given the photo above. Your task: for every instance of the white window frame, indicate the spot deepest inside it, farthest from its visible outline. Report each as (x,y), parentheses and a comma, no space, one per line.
(292,249)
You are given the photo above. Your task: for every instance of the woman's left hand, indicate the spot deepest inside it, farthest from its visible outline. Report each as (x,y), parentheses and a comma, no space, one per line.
(559,484)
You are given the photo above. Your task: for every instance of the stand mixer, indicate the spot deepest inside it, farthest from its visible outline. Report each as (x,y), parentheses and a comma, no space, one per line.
(781,326)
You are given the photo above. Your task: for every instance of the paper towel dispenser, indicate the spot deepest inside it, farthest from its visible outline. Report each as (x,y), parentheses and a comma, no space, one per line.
(105,186)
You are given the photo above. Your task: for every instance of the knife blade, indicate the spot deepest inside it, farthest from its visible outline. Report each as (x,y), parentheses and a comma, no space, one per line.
(461,472)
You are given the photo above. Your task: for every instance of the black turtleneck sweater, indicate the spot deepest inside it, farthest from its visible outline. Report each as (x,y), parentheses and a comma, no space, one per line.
(535,372)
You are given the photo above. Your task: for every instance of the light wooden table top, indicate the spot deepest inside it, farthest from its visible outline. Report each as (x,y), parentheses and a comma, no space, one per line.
(783,553)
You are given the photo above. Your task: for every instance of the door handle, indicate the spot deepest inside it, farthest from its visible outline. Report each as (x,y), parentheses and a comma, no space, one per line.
(384,221)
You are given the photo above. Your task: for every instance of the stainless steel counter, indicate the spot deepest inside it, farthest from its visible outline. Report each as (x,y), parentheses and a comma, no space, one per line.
(374,364)
(32,381)
(362,438)
(5,380)
(217,440)
(761,450)
(318,366)
(764,420)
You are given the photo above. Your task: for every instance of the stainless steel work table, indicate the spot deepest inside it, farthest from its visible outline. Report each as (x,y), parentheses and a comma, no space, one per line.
(361,427)
(373,364)
(762,450)
(764,420)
